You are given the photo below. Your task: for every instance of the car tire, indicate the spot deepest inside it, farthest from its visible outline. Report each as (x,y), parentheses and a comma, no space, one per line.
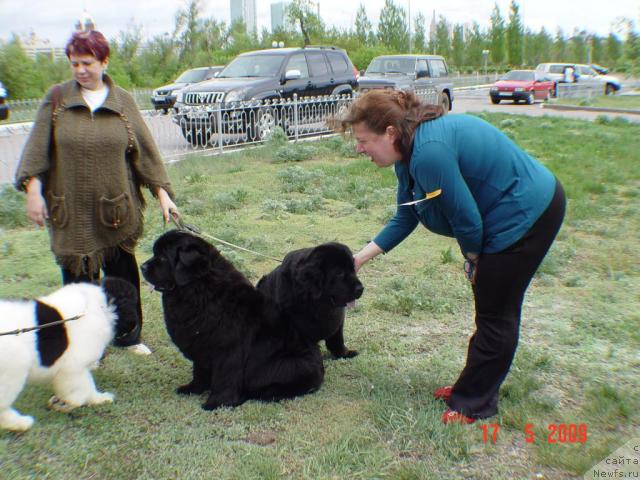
(264,121)
(530,99)
(609,89)
(445,103)
(495,101)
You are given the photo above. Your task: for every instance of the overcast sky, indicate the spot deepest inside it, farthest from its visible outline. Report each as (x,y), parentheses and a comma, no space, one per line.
(54,19)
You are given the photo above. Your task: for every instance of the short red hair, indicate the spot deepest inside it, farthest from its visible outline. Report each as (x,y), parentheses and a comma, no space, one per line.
(89,42)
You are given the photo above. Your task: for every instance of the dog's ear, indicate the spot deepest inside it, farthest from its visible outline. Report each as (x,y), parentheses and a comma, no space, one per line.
(190,263)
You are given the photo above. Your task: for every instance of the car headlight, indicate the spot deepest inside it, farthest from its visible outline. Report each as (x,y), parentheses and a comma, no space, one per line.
(179,96)
(236,95)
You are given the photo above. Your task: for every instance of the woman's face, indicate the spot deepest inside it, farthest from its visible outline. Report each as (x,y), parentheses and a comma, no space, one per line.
(380,148)
(87,70)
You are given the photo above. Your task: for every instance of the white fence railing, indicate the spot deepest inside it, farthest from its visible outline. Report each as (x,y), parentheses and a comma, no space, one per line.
(579,90)
(217,127)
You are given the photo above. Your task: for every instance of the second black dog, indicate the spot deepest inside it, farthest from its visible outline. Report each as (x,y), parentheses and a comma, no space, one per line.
(313,287)
(239,343)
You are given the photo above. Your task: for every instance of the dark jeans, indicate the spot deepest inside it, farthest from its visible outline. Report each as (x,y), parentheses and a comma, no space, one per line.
(501,281)
(122,265)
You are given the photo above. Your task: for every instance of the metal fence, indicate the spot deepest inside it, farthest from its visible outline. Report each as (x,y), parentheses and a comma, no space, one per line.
(217,127)
(579,90)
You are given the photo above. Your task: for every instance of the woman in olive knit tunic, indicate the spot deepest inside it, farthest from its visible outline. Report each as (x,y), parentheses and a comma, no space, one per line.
(86,159)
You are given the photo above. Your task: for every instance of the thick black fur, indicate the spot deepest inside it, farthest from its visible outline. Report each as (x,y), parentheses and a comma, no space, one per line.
(312,287)
(240,345)
(123,296)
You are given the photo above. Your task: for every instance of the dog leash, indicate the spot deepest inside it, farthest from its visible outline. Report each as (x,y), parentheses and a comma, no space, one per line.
(185,227)
(20,331)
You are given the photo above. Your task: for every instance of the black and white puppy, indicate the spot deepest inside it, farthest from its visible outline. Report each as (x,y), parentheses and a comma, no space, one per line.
(61,355)
(312,287)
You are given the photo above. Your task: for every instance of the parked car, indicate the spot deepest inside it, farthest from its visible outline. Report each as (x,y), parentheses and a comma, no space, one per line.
(409,72)
(257,77)
(4,107)
(584,74)
(164,97)
(521,85)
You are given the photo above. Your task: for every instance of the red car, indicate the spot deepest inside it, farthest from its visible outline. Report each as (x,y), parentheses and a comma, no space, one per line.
(523,85)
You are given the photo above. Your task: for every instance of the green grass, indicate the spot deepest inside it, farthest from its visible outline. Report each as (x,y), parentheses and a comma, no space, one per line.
(374,416)
(631,102)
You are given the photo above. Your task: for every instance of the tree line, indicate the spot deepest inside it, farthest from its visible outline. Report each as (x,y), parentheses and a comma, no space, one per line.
(197,40)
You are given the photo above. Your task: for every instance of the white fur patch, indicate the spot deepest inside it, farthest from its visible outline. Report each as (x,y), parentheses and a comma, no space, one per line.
(69,375)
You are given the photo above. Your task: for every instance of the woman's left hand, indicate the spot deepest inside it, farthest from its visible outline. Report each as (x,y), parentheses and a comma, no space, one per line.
(471,267)
(166,204)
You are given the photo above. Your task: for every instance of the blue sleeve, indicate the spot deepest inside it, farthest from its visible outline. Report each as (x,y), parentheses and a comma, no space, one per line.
(435,166)
(399,227)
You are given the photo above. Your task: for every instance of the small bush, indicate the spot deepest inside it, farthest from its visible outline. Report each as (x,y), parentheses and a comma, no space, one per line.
(297,179)
(291,152)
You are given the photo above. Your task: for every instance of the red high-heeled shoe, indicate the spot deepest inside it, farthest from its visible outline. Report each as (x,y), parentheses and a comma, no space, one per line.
(451,416)
(443,393)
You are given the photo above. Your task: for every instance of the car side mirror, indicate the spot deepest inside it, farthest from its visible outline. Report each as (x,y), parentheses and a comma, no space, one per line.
(293,74)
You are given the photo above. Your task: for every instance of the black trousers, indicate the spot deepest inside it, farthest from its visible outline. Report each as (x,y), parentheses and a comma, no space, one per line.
(122,265)
(501,281)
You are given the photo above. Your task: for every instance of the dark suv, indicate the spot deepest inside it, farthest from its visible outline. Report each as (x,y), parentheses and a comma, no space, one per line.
(164,97)
(260,76)
(410,72)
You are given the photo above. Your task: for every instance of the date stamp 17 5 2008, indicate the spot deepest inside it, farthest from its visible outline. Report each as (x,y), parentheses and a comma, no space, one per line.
(556,433)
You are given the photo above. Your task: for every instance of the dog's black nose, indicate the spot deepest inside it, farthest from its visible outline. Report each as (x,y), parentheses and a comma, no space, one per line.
(358,291)
(144,267)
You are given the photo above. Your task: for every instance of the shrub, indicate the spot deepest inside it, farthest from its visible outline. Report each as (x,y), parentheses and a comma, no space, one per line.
(12,208)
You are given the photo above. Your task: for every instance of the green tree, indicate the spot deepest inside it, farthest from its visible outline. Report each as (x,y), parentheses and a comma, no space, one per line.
(596,49)
(457,46)
(420,33)
(476,42)
(188,31)
(538,47)
(578,47)
(442,40)
(301,13)
(363,27)
(632,48)
(515,35)
(559,47)
(497,44)
(392,27)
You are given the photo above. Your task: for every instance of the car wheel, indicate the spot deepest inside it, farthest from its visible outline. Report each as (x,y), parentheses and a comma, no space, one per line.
(445,103)
(196,135)
(609,89)
(530,99)
(495,101)
(264,122)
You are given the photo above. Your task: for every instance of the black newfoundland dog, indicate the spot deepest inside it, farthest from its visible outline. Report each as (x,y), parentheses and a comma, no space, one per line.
(240,344)
(313,287)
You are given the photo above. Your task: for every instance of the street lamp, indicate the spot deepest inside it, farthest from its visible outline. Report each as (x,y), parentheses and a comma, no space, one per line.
(485,57)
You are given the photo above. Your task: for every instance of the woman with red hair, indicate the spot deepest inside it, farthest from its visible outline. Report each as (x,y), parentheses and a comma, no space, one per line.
(88,155)
(461,177)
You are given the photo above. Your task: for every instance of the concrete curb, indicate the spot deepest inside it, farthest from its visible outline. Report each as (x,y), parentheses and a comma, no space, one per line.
(627,111)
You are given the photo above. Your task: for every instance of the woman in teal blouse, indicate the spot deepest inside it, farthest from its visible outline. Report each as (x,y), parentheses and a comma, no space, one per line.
(461,177)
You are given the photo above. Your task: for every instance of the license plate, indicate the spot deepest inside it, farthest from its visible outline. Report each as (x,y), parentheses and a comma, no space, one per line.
(506,94)
(158,97)
(202,115)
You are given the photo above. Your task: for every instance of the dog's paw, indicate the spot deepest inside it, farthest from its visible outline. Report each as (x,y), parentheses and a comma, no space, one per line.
(60,405)
(190,389)
(101,398)
(17,423)
(346,354)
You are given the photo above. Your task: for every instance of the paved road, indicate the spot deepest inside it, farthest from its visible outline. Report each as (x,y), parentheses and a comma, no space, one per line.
(478,101)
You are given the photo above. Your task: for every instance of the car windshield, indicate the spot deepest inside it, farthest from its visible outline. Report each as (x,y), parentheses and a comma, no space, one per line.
(192,76)
(519,75)
(392,65)
(253,66)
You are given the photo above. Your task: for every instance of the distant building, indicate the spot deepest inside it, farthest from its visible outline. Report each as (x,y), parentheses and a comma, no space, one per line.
(32,46)
(85,23)
(279,15)
(244,10)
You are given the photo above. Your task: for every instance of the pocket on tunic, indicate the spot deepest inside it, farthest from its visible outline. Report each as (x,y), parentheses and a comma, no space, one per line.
(58,215)
(115,212)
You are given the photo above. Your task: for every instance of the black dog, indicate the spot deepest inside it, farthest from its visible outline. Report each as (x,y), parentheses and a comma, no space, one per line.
(313,286)
(237,339)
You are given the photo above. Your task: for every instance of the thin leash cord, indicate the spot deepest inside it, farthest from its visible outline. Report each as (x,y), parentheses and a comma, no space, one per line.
(20,331)
(180,225)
